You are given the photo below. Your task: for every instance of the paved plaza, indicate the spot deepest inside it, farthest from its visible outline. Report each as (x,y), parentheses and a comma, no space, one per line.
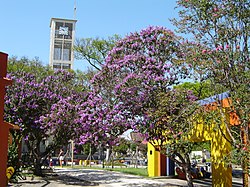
(91,177)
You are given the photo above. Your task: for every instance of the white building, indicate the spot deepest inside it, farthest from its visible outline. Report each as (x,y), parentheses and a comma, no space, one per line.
(62,37)
(200,154)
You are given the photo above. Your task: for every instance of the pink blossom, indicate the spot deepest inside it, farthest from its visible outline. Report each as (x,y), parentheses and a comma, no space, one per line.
(244,148)
(219,48)
(204,51)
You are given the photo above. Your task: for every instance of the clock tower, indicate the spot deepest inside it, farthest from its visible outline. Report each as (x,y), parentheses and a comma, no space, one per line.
(62,37)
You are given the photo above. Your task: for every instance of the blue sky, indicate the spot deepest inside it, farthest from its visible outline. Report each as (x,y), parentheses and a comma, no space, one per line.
(25,30)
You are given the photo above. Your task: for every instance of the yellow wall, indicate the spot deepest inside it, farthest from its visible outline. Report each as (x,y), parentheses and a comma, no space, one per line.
(220,147)
(153,161)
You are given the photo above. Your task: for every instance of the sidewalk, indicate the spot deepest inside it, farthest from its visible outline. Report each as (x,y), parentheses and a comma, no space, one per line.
(92,177)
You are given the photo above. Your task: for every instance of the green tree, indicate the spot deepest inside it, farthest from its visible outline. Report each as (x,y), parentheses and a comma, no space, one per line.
(89,149)
(201,90)
(13,154)
(122,146)
(17,66)
(221,32)
(94,50)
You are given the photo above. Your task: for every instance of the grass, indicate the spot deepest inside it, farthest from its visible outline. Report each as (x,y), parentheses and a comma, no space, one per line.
(134,171)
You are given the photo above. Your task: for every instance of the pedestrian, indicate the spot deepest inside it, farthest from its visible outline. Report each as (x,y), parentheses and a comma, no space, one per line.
(50,161)
(61,157)
(203,160)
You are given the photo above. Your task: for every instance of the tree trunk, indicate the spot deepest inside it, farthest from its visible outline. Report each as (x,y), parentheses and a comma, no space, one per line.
(103,166)
(188,170)
(112,158)
(244,162)
(38,169)
(189,176)
(35,157)
(90,153)
(136,158)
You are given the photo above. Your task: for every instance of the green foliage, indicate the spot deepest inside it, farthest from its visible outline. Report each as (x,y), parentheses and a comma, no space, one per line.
(83,79)
(24,64)
(13,154)
(122,147)
(94,50)
(89,148)
(201,90)
(172,112)
(221,53)
(200,146)
(133,146)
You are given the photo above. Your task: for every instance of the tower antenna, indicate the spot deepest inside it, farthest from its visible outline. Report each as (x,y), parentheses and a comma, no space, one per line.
(75,9)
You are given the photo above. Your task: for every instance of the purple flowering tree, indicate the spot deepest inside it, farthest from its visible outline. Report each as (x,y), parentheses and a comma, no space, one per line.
(100,123)
(43,108)
(138,79)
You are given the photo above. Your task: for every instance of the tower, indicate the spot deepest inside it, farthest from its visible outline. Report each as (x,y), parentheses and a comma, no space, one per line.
(62,36)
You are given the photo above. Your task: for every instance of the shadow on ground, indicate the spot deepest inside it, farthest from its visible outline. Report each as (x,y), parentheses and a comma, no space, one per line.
(100,176)
(112,178)
(208,182)
(85,177)
(51,179)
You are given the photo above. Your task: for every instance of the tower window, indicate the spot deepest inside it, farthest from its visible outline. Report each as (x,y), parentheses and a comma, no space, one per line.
(67,51)
(58,50)
(62,50)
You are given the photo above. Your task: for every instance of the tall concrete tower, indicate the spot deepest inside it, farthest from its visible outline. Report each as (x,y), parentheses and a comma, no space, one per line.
(62,37)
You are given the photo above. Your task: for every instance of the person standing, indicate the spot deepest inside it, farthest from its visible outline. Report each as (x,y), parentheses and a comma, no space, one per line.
(60,157)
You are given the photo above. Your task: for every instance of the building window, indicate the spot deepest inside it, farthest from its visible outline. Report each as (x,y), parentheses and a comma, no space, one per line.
(58,50)
(62,50)
(57,29)
(67,51)
(66,66)
(57,66)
